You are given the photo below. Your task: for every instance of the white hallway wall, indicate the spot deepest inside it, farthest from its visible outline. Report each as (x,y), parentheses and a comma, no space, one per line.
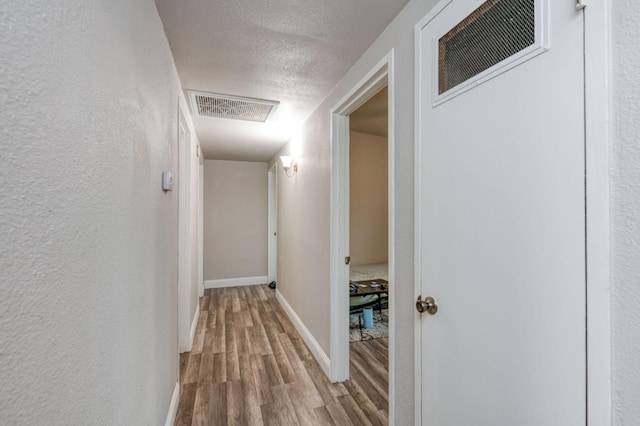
(625,212)
(89,240)
(303,222)
(235,222)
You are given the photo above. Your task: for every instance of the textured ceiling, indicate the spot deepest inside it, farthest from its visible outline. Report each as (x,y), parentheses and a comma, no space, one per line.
(291,51)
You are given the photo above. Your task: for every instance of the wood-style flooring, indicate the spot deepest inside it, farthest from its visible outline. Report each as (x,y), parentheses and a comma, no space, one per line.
(249,366)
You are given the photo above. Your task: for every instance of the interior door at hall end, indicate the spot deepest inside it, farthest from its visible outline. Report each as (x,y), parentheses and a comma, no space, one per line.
(502,213)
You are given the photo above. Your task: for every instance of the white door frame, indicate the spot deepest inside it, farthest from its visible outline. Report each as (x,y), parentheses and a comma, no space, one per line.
(272,227)
(597,205)
(184,223)
(378,77)
(597,88)
(200,222)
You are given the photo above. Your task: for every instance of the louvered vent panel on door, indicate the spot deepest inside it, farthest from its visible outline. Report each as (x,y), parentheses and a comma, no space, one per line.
(490,34)
(231,107)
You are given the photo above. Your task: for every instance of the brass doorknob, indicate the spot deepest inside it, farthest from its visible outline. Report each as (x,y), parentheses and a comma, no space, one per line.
(426,305)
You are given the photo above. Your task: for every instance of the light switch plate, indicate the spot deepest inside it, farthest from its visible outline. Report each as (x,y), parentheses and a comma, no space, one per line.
(167,181)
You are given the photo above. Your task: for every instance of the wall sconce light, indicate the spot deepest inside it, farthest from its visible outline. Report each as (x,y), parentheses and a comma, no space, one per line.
(289,163)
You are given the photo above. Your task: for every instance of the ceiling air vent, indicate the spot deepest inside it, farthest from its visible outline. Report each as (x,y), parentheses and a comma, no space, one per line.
(233,107)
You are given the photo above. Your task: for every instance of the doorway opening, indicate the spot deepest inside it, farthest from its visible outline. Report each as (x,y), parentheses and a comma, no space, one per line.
(377,82)
(369,244)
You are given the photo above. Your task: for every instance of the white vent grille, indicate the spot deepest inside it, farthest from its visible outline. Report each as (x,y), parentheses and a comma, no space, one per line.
(495,31)
(232,107)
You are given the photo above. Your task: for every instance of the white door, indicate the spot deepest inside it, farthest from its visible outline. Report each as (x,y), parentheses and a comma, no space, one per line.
(501,213)
(272,267)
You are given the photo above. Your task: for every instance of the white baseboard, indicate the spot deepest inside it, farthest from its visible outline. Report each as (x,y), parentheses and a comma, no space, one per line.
(186,346)
(194,325)
(315,348)
(235,282)
(173,407)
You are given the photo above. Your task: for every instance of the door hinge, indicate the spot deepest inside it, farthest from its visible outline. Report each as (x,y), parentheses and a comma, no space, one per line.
(581,4)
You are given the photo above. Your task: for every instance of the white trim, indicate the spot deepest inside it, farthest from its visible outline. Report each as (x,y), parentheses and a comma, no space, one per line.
(235,282)
(308,338)
(200,223)
(378,77)
(194,325)
(417,212)
(391,250)
(417,195)
(597,117)
(339,248)
(184,219)
(173,406)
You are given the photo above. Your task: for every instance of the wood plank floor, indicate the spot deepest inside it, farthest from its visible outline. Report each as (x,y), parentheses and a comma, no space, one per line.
(249,366)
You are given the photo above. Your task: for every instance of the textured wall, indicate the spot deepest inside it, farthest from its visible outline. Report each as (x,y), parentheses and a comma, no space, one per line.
(89,240)
(368,204)
(235,219)
(303,206)
(625,213)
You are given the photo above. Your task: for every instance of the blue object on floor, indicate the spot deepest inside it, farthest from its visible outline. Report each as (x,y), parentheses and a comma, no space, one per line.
(367,316)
